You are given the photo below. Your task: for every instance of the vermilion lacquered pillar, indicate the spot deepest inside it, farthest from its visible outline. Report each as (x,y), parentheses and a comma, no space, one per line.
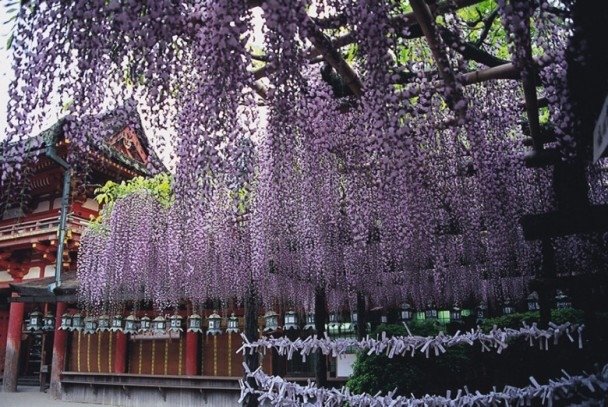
(13,345)
(191,353)
(60,339)
(120,353)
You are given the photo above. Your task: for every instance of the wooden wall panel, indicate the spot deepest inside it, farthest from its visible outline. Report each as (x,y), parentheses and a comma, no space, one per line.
(219,357)
(91,353)
(157,356)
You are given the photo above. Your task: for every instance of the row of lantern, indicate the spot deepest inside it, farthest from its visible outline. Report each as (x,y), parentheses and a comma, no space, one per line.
(130,325)
(134,325)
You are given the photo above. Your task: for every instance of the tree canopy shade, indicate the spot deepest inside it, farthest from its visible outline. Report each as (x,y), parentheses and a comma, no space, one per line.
(371,146)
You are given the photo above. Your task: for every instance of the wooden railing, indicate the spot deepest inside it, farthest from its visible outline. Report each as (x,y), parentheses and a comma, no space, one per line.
(40,226)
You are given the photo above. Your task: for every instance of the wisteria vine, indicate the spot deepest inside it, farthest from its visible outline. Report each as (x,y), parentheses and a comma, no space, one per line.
(409,189)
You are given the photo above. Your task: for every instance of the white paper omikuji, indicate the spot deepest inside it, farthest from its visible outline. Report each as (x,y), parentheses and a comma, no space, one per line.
(497,339)
(273,390)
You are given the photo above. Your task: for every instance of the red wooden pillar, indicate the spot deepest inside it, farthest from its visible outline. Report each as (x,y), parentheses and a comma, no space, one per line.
(59,348)
(191,353)
(13,345)
(120,353)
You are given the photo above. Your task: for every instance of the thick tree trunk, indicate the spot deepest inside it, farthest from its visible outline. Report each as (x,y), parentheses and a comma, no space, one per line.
(546,291)
(361,317)
(320,320)
(251,332)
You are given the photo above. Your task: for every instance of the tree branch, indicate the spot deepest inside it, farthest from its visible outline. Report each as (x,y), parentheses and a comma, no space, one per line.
(325,47)
(427,24)
(469,51)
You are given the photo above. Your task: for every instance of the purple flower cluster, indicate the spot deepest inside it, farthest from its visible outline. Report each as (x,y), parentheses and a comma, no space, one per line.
(402,194)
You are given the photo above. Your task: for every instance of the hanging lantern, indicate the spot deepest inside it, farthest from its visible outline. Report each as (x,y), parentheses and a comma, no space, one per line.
(175,323)
(354,317)
(144,324)
(310,322)
(291,320)
(66,322)
(49,322)
(90,325)
(103,323)
(214,321)
(159,324)
(406,312)
(334,323)
(507,307)
(455,314)
(35,323)
(532,301)
(233,324)
(481,311)
(271,319)
(430,312)
(131,324)
(562,300)
(77,322)
(195,323)
(117,323)
(383,319)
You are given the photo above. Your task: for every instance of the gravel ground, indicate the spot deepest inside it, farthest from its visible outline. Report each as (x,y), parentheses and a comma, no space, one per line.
(32,397)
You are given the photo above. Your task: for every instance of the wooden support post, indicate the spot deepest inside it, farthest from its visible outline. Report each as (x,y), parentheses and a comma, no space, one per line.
(251,332)
(320,319)
(361,317)
(120,353)
(13,346)
(59,348)
(191,353)
(546,292)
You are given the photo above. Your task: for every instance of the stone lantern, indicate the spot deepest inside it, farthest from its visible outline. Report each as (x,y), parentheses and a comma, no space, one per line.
(214,322)
(310,321)
(334,323)
(131,324)
(77,322)
(507,307)
(455,314)
(103,323)
(195,323)
(66,322)
(159,324)
(562,300)
(406,312)
(481,311)
(233,324)
(117,323)
(35,322)
(291,320)
(271,321)
(90,325)
(175,323)
(49,322)
(144,324)
(430,312)
(532,301)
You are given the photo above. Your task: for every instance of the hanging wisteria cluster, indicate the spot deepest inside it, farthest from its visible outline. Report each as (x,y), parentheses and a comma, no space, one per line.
(404,185)
(275,391)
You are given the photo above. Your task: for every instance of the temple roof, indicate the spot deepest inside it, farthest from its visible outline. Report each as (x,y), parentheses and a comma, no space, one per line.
(119,135)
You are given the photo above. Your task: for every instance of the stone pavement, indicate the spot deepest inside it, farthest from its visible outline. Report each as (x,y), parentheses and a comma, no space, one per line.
(32,397)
